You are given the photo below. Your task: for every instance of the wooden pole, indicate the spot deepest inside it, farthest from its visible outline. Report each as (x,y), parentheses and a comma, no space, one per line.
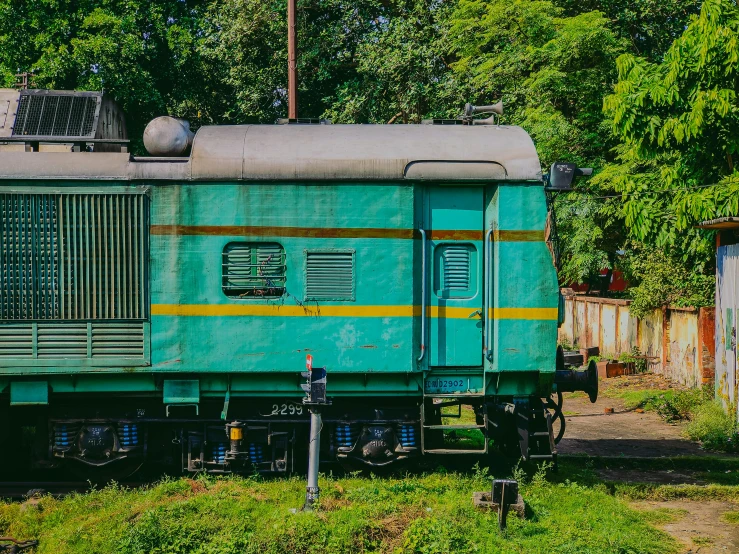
(292,69)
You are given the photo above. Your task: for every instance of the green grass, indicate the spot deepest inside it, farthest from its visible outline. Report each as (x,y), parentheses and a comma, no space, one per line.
(730,517)
(661,516)
(431,513)
(719,474)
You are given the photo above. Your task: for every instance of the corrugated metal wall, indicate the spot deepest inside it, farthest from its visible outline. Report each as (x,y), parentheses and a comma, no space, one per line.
(727,305)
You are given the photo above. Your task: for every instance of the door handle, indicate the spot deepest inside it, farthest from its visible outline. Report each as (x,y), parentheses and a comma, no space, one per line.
(475,313)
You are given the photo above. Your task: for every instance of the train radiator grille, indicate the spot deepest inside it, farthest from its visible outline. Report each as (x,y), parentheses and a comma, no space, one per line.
(73,257)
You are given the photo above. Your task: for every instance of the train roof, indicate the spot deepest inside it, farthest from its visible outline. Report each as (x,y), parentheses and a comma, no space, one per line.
(299,152)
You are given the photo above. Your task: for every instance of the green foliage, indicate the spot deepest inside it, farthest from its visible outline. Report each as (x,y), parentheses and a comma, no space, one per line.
(650,26)
(634,357)
(714,427)
(548,68)
(402,70)
(682,404)
(660,280)
(433,536)
(731,517)
(676,120)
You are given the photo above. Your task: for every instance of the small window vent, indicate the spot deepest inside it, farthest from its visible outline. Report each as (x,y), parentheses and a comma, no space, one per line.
(254,270)
(329,275)
(456,268)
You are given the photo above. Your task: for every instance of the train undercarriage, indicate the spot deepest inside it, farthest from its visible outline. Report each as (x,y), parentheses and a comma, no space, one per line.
(112,440)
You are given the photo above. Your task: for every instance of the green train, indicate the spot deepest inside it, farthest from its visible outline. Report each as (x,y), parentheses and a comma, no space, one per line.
(148,302)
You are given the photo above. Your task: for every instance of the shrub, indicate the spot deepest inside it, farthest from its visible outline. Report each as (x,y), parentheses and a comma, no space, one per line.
(681,405)
(713,427)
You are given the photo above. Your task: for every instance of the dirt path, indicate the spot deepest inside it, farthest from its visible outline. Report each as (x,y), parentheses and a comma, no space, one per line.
(698,525)
(623,433)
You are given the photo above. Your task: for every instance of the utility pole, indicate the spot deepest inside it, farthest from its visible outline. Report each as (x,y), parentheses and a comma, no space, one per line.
(292,68)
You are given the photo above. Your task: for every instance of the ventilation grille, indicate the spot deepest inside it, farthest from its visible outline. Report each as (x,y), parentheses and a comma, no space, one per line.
(29,258)
(73,256)
(117,340)
(254,269)
(16,341)
(72,340)
(329,275)
(456,267)
(56,115)
(62,341)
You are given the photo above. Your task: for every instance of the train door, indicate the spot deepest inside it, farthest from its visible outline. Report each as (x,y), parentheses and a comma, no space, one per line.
(455,224)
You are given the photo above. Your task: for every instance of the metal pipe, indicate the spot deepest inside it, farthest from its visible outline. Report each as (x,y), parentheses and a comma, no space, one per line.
(314,448)
(486,291)
(292,67)
(423,295)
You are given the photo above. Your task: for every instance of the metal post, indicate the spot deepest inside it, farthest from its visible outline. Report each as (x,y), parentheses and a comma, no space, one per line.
(312,491)
(292,67)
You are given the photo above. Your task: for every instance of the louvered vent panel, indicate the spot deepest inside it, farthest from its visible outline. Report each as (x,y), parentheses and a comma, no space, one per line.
(456,268)
(252,269)
(55,115)
(329,275)
(73,256)
(62,341)
(16,340)
(29,288)
(117,340)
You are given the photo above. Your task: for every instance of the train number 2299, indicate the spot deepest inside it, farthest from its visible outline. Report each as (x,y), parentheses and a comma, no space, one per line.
(287,409)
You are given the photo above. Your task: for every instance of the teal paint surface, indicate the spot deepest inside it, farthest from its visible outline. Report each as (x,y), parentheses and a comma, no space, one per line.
(27,393)
(365,355)
(453,341)
(523,277)
(187,270)
(181,391)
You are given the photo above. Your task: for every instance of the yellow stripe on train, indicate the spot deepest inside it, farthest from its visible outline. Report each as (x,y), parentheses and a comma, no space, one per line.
(311,310)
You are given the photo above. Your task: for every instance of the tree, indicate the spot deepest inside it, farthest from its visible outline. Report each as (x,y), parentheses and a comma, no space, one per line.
(677,121)
(146,54)
(403,72)
(649,26)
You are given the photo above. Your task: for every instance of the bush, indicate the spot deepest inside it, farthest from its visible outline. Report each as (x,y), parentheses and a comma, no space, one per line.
(713,427)
(681,405)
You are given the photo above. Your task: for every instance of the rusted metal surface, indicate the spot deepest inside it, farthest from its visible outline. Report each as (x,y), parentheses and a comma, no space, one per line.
(314,232)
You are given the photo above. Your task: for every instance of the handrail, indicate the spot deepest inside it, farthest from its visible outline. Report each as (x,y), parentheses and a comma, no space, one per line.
(486,290)
(423,294)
